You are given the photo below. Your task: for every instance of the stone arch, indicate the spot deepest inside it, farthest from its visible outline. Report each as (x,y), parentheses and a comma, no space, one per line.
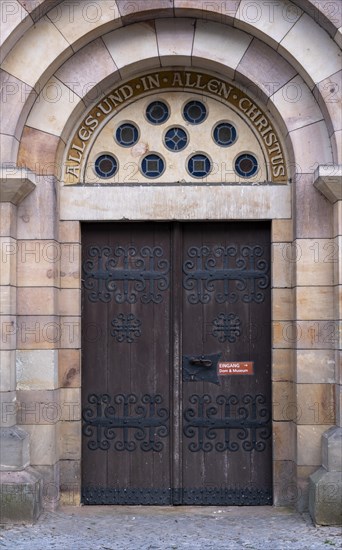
(272,83)
(64,39)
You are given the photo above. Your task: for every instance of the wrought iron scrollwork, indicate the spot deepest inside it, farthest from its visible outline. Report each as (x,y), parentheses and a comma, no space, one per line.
(107,420)
(126,273)
(211,271)
(230,421)
(126,495)
(226,327)
(125,328)
(226,496)
(213,496)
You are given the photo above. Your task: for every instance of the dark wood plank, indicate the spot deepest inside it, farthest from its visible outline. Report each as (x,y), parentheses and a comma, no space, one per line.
(237,469)
(150,364)
(133,470)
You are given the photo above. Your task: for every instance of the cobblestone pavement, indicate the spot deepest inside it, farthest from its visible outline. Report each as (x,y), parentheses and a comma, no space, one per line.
(166,528)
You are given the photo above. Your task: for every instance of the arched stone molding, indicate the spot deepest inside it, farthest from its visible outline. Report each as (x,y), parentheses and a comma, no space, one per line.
(65,36)
(19,15)
(67,94)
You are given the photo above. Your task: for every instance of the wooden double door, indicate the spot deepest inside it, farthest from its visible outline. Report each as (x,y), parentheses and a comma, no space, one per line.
(176,385)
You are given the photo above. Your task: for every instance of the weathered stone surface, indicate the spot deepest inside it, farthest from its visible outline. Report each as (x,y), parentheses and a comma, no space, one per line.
(69,368)
(303,474)
(284,405)
(8,219)
(89,20)
(332,450)
(38,151)
(69,300)
(8,407)
(282,231)
(296,104)
(315,366)
(7,378)
(51,482)
(20,496)
(313,211)
(130,45)
(325,497)
(282,365)
(320,60)
(70,489)
(70,440)
(267,28)
(309,445)
(29,68)
(14,449)
(36,300)
(284,491)
(328,180)
(36,214)
(175,38)
(182,202)
(282,304)
(54,108)
(309,144)
(37,369)
(284,440)
(262,67)
(315,404)
(16,184)
(43,444)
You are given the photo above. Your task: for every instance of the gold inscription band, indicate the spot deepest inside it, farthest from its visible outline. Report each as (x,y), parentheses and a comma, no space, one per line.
(172,80)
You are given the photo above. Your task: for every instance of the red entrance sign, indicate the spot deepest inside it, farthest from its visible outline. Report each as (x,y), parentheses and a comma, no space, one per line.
(236,367)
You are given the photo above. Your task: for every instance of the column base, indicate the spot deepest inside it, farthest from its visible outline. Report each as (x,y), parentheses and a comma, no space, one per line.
(325,497)
(21,495)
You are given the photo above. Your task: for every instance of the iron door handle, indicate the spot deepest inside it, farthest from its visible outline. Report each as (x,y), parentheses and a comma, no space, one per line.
(201,362)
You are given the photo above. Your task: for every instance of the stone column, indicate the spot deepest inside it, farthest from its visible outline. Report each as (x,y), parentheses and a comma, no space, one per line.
(325,494)
(20,485)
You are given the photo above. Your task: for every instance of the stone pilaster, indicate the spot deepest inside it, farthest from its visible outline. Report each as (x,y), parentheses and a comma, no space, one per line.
(20,485)
(282,365)
(325,496)
(40,332)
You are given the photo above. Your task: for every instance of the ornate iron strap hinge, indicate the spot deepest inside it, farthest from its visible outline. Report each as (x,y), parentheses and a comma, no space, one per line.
(125,273)
(229,422)
(102,423)
(210,271)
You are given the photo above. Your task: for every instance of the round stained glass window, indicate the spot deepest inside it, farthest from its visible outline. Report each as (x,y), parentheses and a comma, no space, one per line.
(176,139)
(194,112)
(199,165)
(157,112)
(127,134)
(106,166)
(246,165)
(152,166)
(224,134)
